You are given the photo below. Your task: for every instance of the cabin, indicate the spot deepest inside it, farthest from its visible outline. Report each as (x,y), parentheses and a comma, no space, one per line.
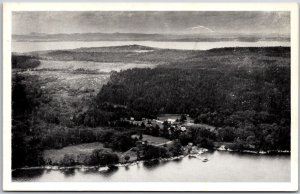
(182,128)
(171,121)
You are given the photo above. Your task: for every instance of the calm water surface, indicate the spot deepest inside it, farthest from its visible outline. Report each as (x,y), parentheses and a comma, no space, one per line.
(221,167)
(40,46)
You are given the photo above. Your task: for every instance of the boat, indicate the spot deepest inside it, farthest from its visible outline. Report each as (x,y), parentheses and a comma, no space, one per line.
(204,159)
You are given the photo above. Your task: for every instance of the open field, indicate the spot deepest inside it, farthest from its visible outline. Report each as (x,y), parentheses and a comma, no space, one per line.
(163,117)
(153,140)
(80,151)
(60,82)
(96,67)
(57,155)
(201,125)
(69,93)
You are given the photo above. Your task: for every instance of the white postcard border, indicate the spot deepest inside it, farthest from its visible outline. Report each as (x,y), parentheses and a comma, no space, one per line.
(8,185)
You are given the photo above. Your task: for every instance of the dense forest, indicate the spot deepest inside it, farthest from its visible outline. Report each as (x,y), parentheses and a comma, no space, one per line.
(248,104)
(26,140)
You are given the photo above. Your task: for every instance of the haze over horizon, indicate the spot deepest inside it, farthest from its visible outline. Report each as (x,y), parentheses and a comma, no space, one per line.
(151,22)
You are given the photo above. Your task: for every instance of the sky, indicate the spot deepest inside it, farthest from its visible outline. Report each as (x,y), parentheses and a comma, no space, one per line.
(159,22)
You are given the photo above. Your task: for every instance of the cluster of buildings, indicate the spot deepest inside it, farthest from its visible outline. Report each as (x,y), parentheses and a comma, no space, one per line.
(170,122)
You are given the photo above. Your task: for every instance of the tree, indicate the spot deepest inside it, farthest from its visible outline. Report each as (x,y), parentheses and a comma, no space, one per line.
(122,141)
(155,131)
(153,152)
(68,160)
(183,118)
(185,138)
(103,157)
(140,136)
(127,158)
(206,143)
(226,134)
(176,148)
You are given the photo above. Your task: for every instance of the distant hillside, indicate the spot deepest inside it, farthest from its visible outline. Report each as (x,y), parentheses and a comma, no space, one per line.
(125,48)
(36,37)
(241,57)
(223,57)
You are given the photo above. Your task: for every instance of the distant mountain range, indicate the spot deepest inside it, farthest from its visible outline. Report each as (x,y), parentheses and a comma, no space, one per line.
(201,37)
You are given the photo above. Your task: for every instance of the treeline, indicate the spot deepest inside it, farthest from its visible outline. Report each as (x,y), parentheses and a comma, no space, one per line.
(26,141)
(154,152)
(24,62)
(118,139)
(160,90)
(98,157)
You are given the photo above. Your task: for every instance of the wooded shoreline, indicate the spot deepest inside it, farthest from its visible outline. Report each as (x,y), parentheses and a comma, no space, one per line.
(135,162)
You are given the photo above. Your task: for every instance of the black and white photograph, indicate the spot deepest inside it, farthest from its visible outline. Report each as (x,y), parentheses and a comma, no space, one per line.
(149,93)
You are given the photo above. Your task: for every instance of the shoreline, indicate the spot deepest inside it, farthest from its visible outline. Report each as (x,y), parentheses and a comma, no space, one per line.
(100,168)
(260,152)
(136,162)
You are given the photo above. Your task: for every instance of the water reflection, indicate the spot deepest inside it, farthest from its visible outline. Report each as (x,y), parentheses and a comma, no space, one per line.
(151,164)
(27,175)
(68,172)
(109,172)
(95,171)
(220,167)
(177,160)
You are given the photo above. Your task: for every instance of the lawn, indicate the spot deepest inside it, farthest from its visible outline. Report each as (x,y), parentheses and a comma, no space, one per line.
(81,150)
(164,117)
(153,140)
(77,151)
(201,125)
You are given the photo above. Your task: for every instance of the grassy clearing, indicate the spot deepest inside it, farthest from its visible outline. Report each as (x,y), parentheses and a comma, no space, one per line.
(81,150)
(200,125)
(164,117)
(90,65)
(153,140)
(57,155)
(131,153)
(69,92)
